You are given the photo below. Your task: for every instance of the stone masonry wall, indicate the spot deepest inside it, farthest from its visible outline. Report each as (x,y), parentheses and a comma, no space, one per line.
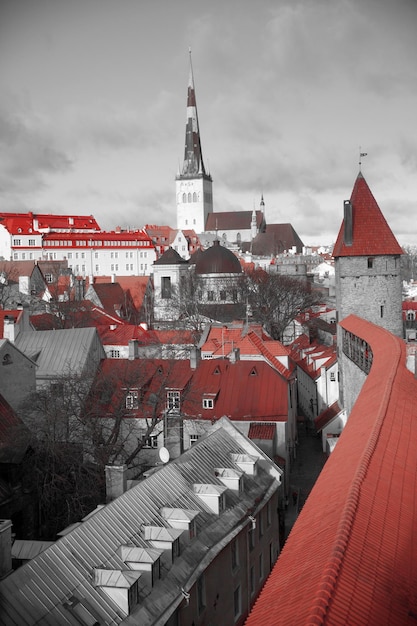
(373,293)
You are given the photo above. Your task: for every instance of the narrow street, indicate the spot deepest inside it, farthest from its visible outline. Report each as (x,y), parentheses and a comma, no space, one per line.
(305,470)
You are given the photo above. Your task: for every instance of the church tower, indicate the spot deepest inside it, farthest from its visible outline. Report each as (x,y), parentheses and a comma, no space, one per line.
(367,263)
(193,185)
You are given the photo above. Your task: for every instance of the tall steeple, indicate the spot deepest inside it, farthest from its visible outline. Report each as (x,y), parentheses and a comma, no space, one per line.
(193,183)
(193,157)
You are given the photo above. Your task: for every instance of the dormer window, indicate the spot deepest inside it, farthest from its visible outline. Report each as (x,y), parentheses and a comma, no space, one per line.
(173,401)
(132,400)
(208,403)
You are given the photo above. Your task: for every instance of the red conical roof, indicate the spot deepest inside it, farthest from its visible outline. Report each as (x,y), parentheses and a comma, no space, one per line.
(371,234)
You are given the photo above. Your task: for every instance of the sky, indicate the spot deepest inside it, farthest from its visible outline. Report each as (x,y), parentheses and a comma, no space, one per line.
(289,92)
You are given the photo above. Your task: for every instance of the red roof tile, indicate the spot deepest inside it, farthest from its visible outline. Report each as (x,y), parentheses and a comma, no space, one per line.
(325,417)
(262,431)
(351,557)
(371,233)
(235,220)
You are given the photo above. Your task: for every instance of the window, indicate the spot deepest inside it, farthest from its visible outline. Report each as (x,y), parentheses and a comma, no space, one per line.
(382,310)
(332,376)
(16,242)
(268,513)
(235,554)
(48,278)
(260,524)
(184,197)
(97,269)
(96,255)
(194,197)
(222,295)
(236,601)
(115,354)
(7,359)
(173,401)
(166,287)
(208,403)
(201,594)
(194,439)
(32,242)
(370,263)
(150,441)
(70,255)
(132,400)
(210,295)
(23,256)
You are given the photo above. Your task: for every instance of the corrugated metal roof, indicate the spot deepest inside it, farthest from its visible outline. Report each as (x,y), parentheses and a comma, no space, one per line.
(37,593)
(351,557)
(60,352)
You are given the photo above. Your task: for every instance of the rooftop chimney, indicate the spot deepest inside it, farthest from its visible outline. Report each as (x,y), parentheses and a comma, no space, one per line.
(133,349)
(348,221)
(116,481)
(195,356)
(9,328)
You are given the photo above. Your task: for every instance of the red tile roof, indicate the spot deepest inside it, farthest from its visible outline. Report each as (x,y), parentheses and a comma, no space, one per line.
(262,431)
(17,314)
(232,220)
(371,233)
(27,223)
(325,417)
(245,390)
(351,557)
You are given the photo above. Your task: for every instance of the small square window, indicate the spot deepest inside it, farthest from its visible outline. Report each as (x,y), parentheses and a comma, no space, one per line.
(208,403)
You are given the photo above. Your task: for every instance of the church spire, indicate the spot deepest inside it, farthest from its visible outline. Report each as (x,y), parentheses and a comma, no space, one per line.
(193,157)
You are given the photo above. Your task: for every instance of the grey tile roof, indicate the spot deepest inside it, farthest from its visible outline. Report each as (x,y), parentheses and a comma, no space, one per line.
(66,575)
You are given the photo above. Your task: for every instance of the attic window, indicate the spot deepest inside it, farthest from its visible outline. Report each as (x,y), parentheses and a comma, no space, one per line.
(173,401)
(216,371)
(132,400)
(7,359)
(253,372)
(208,403)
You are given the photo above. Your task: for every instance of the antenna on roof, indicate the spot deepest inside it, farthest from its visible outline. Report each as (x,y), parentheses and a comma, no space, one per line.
(361,154)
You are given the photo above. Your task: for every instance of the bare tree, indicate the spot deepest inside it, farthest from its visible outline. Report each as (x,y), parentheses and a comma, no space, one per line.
(82,425)
(275,300)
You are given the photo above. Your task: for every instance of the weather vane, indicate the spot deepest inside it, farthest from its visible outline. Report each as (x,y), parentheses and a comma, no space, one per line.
(361,154)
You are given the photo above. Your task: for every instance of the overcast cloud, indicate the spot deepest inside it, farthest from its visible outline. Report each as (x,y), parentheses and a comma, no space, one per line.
(93,105)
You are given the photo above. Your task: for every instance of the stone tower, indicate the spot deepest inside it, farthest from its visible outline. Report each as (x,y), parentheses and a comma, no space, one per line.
(193,184)
(368,282)
(367,263)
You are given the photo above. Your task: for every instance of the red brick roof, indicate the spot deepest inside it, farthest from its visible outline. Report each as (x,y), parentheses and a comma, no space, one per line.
(351,557)
(371,233)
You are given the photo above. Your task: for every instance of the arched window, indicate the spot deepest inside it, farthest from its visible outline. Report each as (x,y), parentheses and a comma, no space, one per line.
(238,239)
(189,197)
(194,197)
(184,197)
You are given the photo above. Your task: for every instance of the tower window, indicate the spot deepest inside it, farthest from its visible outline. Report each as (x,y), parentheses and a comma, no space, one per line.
(382,310)
(194,197)
(166,287)
(189,197)
(184,197)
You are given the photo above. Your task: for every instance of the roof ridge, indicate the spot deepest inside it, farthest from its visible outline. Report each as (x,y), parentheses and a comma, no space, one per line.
(330,573)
